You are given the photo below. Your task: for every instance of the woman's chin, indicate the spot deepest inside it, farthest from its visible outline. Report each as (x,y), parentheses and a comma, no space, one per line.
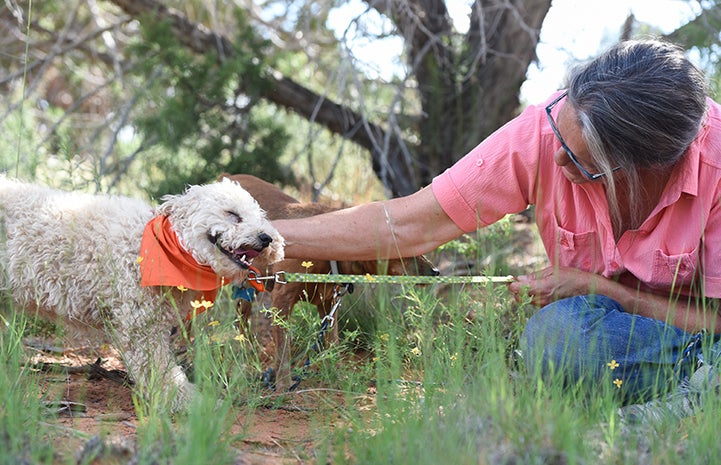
(574,176)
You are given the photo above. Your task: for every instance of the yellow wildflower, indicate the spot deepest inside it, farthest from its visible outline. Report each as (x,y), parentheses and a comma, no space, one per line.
(139,259)
(307,264)
(182,288)
(204,303)
(618,382)
(613,364)
(240,337)
(214,323)
(416,351)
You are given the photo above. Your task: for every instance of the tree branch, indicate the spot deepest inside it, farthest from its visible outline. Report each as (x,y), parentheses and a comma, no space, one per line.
(287,93)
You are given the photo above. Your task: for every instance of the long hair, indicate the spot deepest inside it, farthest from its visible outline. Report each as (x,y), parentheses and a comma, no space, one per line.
(639,105)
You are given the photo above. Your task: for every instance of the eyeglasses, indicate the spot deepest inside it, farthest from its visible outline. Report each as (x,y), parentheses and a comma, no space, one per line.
(591,177)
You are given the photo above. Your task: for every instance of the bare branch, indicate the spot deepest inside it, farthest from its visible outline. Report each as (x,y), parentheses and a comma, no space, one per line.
(284,91)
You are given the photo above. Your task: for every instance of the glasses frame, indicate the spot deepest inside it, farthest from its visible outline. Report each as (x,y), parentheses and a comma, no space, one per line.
(584,171)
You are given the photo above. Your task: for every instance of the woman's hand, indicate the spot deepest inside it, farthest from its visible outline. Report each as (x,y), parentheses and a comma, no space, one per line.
(553,283)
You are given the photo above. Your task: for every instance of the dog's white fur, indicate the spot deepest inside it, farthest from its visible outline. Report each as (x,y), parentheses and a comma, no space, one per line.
(74,256)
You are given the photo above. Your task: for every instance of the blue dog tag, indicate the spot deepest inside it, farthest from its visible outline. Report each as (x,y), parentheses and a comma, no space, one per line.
(245,293)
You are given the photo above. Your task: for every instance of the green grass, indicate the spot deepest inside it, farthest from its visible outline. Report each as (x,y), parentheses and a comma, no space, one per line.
(435,388)
(22,435)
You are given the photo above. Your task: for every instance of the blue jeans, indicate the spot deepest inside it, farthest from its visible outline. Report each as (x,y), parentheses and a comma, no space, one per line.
(592,339)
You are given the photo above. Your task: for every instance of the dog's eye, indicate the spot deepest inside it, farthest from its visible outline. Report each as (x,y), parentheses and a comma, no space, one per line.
(235,217)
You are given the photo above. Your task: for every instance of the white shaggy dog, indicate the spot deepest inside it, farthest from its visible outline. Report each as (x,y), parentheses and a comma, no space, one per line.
(78,257)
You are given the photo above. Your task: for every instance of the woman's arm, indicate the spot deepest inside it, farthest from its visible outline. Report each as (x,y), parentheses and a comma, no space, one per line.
(402,227)
(689,314)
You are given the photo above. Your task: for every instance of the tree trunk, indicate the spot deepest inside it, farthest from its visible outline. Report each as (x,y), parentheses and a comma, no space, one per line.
(470,91)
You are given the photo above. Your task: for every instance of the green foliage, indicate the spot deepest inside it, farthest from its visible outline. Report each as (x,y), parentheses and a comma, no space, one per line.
(200,435)
(16,158)
(21,440)
(206,110)
(701,37)
(437,387)
(486,248)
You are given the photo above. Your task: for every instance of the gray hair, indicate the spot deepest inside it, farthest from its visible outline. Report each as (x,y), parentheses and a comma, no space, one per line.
(640,105)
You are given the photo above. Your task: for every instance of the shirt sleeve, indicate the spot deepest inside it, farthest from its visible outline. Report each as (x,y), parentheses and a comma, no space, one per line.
(710,175)
(498,176)
(711,258)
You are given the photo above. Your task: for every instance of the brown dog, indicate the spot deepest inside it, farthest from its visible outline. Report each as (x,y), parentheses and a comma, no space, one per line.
(277,205)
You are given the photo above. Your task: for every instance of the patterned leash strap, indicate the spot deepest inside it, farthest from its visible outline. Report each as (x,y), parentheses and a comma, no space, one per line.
(283,278)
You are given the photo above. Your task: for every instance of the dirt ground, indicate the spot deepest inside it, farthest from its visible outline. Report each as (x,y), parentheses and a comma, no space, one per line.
(97,413)
(94,406)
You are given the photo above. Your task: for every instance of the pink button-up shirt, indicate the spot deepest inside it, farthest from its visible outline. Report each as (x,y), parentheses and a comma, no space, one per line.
(677,248)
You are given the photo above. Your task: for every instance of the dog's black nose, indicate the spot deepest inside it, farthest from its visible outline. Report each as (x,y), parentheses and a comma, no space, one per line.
(265,239)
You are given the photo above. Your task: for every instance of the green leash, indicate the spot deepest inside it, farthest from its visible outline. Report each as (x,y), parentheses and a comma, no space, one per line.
(282,277)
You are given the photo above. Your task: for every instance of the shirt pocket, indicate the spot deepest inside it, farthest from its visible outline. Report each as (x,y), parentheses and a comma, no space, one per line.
(669,270)
(577,250)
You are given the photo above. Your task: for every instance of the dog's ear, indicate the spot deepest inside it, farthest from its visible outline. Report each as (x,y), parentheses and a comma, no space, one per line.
(167,206)
(223,175)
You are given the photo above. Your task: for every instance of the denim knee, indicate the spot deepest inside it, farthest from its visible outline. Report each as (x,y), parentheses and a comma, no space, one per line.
(583,337)
(555,337)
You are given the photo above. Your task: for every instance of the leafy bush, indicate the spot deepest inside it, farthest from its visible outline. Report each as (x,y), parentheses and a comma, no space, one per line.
(205,110)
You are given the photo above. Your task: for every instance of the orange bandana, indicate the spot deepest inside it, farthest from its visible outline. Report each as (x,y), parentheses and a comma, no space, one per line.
(164,262)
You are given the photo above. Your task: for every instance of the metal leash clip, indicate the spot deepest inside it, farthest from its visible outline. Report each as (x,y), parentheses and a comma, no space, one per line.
(339,291)
(279,277)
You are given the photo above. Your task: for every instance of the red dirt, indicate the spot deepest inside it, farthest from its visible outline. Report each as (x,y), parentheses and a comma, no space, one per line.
(97,406)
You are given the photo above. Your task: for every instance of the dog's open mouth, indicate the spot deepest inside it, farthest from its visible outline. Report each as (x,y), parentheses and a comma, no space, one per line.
(242,256)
